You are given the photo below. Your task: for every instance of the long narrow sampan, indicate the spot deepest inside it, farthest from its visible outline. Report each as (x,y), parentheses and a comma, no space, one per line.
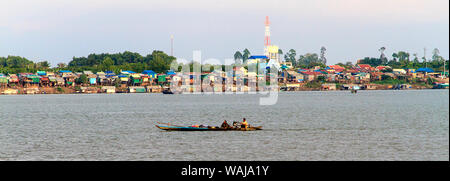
(190,128)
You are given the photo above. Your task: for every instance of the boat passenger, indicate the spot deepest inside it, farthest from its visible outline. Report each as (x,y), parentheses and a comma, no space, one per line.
(225,125)
(244,124)
(235,124)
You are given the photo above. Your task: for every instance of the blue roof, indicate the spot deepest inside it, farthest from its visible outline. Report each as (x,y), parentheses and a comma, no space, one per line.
(258,57)
(424,70)
(129,71)
(148,72)
(302,70)
(170,72)
(65,71)
(109,72)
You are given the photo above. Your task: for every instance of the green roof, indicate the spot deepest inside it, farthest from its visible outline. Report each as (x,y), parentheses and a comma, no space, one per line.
(3,80)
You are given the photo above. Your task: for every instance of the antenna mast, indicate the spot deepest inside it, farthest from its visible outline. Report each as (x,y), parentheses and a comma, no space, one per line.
(267,37)
(171,45)
(425,57)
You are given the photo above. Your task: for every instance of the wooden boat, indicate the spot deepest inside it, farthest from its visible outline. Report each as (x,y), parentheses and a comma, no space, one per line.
(169,127)
(168,91)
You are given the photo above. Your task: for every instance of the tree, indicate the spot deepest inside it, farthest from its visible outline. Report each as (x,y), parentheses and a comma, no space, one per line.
(125,61)
(280,53)
(416,59)
(237,57)
(394,56)
(107,63)
(403,56)
(383,58)
(309,60)
(436,57)
(44,65)
(322,55)
(160,62)
(245,56)
(371,61)
(385,77)
(290,57)
(62,65)
(82,79)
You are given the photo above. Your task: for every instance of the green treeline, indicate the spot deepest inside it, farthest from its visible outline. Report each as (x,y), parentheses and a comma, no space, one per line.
(157,61)
(16,64)
(437,63)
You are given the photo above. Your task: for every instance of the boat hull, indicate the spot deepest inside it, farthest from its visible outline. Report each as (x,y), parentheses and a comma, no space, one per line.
(188,128)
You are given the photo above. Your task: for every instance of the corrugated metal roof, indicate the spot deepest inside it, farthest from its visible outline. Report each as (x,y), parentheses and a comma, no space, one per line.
(148,72)
(258,57)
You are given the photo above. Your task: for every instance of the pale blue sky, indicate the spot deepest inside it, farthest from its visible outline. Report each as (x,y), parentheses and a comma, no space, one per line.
(57,30)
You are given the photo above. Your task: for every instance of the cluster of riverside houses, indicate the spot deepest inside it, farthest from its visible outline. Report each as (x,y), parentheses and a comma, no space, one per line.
(359,76)
(336,77)
(106,82)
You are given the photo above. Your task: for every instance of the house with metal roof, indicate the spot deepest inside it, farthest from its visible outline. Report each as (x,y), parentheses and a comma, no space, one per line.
(150,73)
(257,59)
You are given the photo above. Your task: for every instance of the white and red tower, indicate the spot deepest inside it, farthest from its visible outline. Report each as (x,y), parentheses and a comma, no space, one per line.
(267,37)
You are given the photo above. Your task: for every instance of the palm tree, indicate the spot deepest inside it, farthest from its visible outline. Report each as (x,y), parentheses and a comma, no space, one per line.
(395,56)
(280,53)
(323,59)
(290,57)
(237,56)
(382,56)
(245,56)
(435,56)
(44,65)
(61,65)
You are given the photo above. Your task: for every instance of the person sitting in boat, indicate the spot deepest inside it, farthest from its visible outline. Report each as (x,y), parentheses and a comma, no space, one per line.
(235,124)
(225,125)
(244,124)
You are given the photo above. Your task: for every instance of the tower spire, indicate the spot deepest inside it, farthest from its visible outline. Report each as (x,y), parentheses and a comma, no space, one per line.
(267,37)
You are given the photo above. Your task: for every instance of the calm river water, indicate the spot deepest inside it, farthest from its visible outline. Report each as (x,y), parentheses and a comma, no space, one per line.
(370,125)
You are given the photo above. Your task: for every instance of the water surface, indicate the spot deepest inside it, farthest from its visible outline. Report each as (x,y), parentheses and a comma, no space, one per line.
(370,125)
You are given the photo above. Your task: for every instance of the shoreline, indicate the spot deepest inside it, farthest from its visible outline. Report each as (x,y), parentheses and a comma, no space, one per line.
(71,90)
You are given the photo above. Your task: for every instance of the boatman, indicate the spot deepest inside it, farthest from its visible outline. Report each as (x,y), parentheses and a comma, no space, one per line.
(225,125)
(244,124)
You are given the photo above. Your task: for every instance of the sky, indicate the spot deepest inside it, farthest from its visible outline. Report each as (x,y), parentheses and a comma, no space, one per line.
(57,30)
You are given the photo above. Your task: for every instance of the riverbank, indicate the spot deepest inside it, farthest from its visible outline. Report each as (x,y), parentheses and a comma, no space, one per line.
(158,89)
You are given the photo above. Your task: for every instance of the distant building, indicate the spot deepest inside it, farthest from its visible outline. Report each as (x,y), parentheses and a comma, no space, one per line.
(336,68)
(255,59)
(272,53)
(364,66)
